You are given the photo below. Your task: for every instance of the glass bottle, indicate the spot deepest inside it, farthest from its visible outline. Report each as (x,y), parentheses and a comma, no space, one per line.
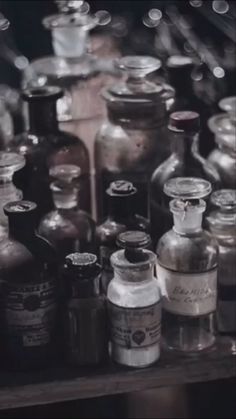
(134,139)
(67,227)
(185,160)
(9,164)
(187,269)
(224,156)
(122,216)
(222,224)
(134,308)
(80,74)
(44,145)
(84,311)
(27,271)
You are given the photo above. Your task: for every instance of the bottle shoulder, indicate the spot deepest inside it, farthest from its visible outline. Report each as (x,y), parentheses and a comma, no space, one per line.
(69,222)
(191,253)
(13,253)
(109,229)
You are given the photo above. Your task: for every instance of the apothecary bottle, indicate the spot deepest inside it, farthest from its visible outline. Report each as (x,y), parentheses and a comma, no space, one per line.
(9,164)
(134,307)
(187,269)
(222,224)
(67,227)
(224,156)
(122,216)
(29,299)
(185,160)
(133,140)
(84,311)
(71,67)
(44,145)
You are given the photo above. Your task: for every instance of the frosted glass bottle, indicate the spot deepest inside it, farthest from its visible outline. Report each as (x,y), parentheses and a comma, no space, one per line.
(187,270)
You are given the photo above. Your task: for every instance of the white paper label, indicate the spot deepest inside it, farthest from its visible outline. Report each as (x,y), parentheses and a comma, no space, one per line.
(188,294)
(135,327)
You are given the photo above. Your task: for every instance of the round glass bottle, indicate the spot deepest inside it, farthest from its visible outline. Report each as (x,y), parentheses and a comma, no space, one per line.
(187,269)
(44,145)
(133,140)
(134,304)
(67,227)
(9,164)
(85,314)
(185,160)
(222,224)
(224,127)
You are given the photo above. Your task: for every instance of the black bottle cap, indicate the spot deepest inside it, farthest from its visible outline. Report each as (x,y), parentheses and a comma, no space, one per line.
(133,240)
(184,121)
(45,93)
(121,188)
(20,209)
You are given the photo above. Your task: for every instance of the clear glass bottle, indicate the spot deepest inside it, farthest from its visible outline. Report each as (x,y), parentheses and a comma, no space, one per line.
(134,308)
(44,145)
(27,272)
(134,139)
(9,164)
(187,269)
(224,156)
(222,224)
(185,160)
(80,74)
(67,227)
(122,216)
(84,311)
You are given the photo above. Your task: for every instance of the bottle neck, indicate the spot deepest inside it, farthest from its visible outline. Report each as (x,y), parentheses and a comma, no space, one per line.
(22,231)
(185,144)
(187,216)
(65,198)
(43,117)
(121,207)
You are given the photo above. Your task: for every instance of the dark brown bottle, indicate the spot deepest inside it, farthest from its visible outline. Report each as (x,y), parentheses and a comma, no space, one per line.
(84,311)
(122,216)
(27,272)
(44,145)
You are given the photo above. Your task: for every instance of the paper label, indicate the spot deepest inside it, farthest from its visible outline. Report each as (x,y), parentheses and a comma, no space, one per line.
(135,327)
(30,312)
(188,294)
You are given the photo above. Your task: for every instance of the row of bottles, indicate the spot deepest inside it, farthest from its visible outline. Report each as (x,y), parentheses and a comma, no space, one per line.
(48,299)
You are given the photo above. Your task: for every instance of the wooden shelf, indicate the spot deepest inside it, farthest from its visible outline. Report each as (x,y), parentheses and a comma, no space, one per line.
(65,384)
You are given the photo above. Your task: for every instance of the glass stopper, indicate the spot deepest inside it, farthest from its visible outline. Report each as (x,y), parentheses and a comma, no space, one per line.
(121,187)
(228,105)
(69,6)
(65,172)
(187,188)
(179,61)
(10,163)
(137,67)
(133,239)
(224,198)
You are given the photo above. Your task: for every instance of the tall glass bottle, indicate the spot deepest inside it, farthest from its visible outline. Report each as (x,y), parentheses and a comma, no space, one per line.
(67,227)
(133,140)
(187,269)
(222,224)
(185,160)
(44,145)
(9,164)
(224,156)
(122,216)
(27,271)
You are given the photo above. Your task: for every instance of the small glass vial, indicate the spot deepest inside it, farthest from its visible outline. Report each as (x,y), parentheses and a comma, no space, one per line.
(85,315)
(9,164)
(122,216)
(224,156)
(187,269)
(222,224)
(134,303)
(67,227)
